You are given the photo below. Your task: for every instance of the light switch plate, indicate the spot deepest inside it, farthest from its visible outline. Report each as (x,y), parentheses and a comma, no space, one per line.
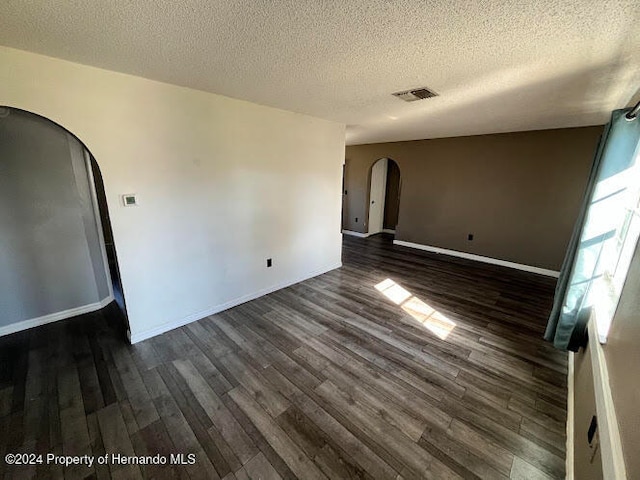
(130,200)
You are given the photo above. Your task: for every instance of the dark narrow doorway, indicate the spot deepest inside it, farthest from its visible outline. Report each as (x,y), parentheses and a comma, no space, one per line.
(392,197)
(109,243)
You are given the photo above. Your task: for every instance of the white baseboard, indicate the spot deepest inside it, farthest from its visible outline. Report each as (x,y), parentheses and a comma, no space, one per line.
(479,258)
(136,337)
(570,419)
(355,234)
(54,317)
(365,235)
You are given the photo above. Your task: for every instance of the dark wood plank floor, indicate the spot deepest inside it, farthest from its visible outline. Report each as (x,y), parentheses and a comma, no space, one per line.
(329,378)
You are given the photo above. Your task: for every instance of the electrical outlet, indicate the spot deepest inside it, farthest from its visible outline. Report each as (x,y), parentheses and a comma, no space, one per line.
(470,236)
(269,263)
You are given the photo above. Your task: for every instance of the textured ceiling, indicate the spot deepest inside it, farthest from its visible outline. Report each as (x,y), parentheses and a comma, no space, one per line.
(497,65)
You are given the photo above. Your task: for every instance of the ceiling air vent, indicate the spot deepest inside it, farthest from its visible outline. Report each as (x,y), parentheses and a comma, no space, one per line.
(415,94)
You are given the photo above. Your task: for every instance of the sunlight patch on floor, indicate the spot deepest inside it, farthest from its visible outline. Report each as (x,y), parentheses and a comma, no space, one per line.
(393,291)
(429,317)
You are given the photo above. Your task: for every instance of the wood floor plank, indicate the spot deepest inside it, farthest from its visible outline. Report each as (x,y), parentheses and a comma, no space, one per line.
(235,332)
(533,414)
(97,446)
(552,441)
(494,454)
(309,340)
(187,402)
(154,440)
(375,426)
(222,419)
(408,424)
(258,439)
(73,420)
(398,393)
(345,437)
(294,457)
(259,468)
(322,449)
(523,471)
(210,373)
(327,378)
(143,409)
(458,456)
(431,383)
(256,385)
(116,440)
(180,431)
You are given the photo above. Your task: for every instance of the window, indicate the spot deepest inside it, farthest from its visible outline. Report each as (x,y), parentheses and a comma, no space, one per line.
(614,220)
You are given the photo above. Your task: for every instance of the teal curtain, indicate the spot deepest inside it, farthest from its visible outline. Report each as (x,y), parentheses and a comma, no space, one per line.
(596,224)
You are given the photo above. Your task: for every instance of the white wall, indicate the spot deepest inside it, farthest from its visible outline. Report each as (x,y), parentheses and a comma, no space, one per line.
(377,193)
(222,185)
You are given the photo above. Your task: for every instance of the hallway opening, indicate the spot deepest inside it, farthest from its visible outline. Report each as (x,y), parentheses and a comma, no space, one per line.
(57,256)
(384,196)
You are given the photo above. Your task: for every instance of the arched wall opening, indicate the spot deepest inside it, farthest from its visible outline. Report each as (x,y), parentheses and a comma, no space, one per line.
(57,255)
(383,204)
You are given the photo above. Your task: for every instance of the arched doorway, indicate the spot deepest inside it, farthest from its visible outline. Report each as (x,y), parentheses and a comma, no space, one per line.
(55,260)
(384,196)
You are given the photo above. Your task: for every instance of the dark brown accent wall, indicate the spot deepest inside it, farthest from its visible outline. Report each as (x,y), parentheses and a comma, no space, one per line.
(622,353)
(517,193)
(585,468)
